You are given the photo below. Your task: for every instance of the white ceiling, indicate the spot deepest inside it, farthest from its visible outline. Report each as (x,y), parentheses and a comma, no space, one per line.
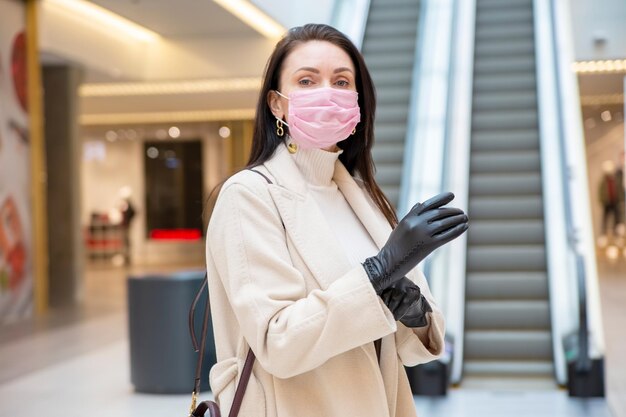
(180,18)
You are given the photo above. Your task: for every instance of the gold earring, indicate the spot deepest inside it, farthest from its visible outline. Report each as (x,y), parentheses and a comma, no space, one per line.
(279,128)
(353,131)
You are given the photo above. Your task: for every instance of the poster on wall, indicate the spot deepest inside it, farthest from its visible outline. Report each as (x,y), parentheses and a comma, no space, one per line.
(16,272)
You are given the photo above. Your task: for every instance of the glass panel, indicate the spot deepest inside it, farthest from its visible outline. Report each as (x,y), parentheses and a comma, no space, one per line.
(173,172)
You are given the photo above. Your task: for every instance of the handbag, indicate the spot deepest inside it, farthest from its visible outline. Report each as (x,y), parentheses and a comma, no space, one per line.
(200,410)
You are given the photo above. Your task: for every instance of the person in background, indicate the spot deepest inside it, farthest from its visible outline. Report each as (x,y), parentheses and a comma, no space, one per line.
(127,210)
(610,194)
(308,265)
(621,204)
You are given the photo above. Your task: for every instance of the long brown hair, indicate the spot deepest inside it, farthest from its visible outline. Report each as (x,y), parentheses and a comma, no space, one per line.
(357,149)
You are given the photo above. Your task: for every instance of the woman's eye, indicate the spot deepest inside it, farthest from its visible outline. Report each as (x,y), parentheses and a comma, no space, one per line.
(305,82)
(343,83)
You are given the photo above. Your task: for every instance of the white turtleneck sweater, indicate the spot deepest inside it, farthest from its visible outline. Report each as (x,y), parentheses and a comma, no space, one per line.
(318,166)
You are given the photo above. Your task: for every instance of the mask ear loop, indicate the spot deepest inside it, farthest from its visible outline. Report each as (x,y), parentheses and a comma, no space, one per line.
(281,94)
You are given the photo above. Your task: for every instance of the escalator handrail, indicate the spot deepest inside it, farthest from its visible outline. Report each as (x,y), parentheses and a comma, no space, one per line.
(583,361)
(350,17)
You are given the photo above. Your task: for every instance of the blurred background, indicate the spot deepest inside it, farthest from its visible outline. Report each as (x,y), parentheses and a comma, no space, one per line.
(118,117)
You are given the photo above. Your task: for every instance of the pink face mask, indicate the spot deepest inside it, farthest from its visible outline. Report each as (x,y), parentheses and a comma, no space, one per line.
(321,117)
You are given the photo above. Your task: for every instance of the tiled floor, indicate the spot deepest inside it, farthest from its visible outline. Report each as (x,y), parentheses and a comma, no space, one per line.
(76,362)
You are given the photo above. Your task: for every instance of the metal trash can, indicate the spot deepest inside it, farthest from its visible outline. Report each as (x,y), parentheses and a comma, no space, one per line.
(162,359)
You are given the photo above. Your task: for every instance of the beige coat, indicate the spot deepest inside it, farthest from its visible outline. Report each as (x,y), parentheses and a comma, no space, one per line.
(310,317)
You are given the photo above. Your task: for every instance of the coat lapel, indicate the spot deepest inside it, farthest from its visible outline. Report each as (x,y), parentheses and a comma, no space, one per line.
(304,221)
(375,223)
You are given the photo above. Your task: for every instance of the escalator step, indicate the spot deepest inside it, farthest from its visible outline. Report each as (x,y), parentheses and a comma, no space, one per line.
(502,32)
(504,99)
(391,61)
(505,47)
(505,208)
(507,314)
(507,285)
(505,161)
(504,184)
(517,368)
(504,119)
(504,16)
(391,95)
(392,15)
(511,344)
(389,153)
(388,45)
(490,65)
(506,232)
(506,258)
(505,139)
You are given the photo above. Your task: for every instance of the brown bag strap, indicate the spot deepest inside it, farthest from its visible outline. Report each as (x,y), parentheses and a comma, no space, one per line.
(247,367)
(192,331)
(242,385)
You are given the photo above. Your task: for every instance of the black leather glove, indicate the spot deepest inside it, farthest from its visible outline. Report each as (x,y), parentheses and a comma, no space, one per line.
(426,227)
(400,297)
(415,314)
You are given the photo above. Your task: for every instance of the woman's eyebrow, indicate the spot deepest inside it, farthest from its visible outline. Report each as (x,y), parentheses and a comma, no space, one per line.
(342,69)
(315,70)
(310,69)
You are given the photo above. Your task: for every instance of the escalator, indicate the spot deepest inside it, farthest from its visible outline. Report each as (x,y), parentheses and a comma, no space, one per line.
(507,311)
(494,283)
(389,50)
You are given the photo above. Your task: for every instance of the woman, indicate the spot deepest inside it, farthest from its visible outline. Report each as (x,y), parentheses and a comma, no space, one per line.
(304,268)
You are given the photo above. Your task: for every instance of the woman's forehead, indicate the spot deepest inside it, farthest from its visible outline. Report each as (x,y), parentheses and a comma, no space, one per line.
(316,54)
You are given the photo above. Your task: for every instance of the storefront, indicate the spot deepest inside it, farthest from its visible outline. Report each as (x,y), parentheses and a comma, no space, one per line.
(144,188)
(603,119)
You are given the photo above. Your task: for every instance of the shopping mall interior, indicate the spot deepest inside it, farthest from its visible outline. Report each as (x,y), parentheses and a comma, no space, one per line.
(119,117)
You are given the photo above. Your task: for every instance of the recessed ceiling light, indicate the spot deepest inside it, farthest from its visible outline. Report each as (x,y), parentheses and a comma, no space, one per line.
(224,132)
(610,65)
(253,17)
(97,15)
(174,132)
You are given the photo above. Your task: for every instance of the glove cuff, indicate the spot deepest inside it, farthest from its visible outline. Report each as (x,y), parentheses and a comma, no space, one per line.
(374,272)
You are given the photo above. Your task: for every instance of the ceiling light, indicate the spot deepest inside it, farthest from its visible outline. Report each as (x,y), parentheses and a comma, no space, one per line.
(253,17)
(152,152)
(612,253)
(110,135)
(174,132)
(170,87)
(612,65)
(224,132)
(97,15)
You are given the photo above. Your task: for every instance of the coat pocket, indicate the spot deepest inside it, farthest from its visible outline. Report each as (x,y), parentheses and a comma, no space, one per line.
(224,378)
(221,375)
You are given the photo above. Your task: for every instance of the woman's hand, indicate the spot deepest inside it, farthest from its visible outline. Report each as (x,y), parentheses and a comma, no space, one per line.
(400,297)
(426,227)
(407,303)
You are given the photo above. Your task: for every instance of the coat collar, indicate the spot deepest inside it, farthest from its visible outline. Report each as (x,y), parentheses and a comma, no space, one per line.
(305,222)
